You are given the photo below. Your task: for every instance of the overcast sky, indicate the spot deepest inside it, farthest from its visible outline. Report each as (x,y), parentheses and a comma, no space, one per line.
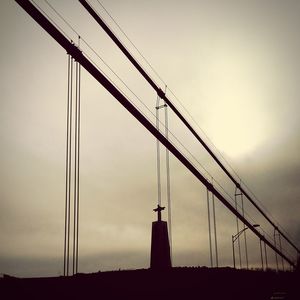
(234,65)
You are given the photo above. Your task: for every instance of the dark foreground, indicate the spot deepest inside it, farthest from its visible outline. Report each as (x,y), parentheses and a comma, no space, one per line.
(175,283)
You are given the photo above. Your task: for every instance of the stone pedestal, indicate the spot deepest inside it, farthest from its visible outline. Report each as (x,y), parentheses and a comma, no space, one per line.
(160,247)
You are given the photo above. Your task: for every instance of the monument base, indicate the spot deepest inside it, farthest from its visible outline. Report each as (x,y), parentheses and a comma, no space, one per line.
(160,247)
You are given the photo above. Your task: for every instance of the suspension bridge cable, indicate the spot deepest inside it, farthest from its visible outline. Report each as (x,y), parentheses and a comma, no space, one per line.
(62,18)
(158,154)
(222,188)
(157,119)
(180,102)
(266,209)
(215,230)
(67,169)
(280,247)
(138,98)
(130,41)
(120,90)
(70,162)
(55,24)
(275,243)
(95,52)
(156,73)
(272,238)
(159,91)
(75,170)
(261,255)
(172,134)
(209,228)
(238,230)
(77,33)
(160,123)
(187,151)
(204,133)
(244,233)
(266,257)
(263,207)
(87,44)
(78,158)
(168,182)
(42,20)
(72,28)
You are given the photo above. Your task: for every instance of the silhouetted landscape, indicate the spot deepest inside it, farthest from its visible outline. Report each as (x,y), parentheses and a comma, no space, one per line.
(174,283)
(83,111)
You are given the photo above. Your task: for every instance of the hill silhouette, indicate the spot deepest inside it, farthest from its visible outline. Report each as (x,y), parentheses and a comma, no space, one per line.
(174,283)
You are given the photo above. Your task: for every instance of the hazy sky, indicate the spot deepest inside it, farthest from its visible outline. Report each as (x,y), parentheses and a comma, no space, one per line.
(233,64)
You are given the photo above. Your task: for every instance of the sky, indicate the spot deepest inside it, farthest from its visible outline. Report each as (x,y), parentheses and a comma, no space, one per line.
(234,67)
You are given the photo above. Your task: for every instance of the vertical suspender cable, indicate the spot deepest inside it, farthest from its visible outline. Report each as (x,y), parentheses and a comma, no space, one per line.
(75,168)
(266,256)
(67,170)
(158,154)
(261,254)
(280,247)
(70,165)
(168,180)
(245,236)
(78,159)
(68,192)
(276,258)
(209,229)
(237,228)
(215,230)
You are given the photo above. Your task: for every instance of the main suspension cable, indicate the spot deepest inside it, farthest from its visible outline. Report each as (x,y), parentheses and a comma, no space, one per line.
(159,91)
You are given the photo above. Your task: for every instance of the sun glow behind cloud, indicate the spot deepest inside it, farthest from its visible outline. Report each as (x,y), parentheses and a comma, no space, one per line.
(238,90)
